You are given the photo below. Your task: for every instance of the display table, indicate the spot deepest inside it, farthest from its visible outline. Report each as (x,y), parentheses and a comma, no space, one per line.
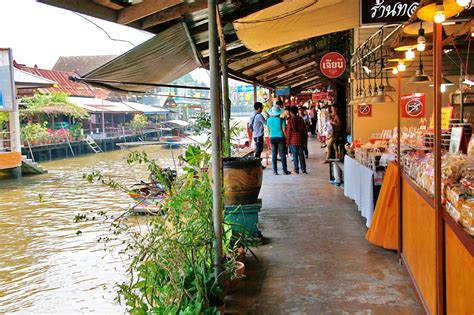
(420,256)
(359,186)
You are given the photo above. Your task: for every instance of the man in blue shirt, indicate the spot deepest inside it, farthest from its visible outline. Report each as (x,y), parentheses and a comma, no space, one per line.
(256,125)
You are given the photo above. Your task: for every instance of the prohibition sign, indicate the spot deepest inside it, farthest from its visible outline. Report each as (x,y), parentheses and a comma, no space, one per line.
(414,108)
(364,110)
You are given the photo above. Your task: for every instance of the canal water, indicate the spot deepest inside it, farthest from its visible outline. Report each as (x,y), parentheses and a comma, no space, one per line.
(45,265)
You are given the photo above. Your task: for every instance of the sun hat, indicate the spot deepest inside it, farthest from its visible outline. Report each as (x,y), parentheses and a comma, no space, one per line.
(275,111)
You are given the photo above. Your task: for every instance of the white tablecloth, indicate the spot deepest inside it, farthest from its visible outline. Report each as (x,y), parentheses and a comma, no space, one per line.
(359,186)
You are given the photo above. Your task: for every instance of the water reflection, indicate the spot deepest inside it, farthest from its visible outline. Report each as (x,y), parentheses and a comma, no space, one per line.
(44,265)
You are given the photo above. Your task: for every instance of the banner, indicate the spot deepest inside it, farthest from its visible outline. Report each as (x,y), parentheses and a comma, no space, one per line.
(395,11)
(282,90)
(413,105)
(7,83)
(446,114)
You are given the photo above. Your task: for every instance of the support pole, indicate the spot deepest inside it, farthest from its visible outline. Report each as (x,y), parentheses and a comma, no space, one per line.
(216,165)
(400,170)
(439,227)
(254,92)
(225,87)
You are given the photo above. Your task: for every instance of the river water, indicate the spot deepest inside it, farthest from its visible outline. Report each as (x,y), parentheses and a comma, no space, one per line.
(45,266)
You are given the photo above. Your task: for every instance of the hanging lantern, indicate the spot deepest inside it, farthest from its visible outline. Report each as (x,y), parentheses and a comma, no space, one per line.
(439,11)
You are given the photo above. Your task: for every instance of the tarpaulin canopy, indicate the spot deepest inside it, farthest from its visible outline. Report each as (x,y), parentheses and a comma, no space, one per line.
(164,58)
(296,20)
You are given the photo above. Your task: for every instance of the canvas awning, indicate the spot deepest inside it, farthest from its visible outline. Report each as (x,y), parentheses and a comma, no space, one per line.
(162,59)
(296,20)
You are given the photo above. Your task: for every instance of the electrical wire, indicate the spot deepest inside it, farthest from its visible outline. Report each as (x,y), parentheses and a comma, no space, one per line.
(103,30)
(278,17)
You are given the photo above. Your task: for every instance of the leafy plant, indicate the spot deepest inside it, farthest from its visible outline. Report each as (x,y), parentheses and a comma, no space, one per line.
(52,104)
(171,269)
(138,123)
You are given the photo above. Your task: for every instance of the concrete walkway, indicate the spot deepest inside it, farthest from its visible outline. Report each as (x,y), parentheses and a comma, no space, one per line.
(315,259)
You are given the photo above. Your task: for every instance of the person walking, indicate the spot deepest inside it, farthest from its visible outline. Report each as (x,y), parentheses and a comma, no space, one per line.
(256,125)
(276,125)
(314,118)
(297,138)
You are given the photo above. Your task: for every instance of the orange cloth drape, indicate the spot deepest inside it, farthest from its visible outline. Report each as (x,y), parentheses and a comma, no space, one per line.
(384,228)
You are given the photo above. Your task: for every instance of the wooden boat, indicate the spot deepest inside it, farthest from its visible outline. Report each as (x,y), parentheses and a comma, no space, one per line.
(146,204)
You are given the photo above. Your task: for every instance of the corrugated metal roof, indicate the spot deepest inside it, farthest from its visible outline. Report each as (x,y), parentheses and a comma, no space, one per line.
(25,80)
(64,84)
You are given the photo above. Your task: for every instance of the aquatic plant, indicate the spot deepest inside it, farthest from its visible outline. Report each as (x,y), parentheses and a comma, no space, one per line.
(171,260)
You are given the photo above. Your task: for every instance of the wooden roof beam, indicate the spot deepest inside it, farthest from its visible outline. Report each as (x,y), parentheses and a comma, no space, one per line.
(176,12)
(143,9)
(293,66)
(247,78)
(231,17)
(257,64)
(293,74)
(84,7)
(299,78)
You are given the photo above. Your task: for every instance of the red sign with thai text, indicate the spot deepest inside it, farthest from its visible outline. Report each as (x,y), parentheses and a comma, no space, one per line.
(333,65)
(413,105)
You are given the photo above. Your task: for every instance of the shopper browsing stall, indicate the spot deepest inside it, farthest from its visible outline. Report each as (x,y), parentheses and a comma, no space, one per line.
(297,138)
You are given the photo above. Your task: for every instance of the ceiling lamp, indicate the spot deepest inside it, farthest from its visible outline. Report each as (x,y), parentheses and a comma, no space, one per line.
(439,11)
(463,3)
(401,66)
(395,70)
(421,40)
(410,54)
(420,76)
(414,28)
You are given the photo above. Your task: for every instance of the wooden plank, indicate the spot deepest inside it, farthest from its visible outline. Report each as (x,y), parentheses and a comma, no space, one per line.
(85,7)
(144,9)
(9,160)
(419,243)
(459,275)
(463,237)
(256,64)
(423,194)
(174,13)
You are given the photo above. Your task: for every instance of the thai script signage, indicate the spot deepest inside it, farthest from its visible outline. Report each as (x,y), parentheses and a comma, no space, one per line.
(282,90)
(7,83)
(395,11)
(332,65)
(413,105)
(446,115)
(386,11)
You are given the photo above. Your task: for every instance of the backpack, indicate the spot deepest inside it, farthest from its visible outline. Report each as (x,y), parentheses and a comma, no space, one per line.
(252,121)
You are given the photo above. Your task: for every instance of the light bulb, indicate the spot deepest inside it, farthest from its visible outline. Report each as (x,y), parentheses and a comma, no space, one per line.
(443,88)
(463,3)
(401,67)
(395,71)
(410,54)
(421,46)
(439,16)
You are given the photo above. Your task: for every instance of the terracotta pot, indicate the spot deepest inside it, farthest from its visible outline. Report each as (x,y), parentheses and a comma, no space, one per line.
(242,180)
(240,272)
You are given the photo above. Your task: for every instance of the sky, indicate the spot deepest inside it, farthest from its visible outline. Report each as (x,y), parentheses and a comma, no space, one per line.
(39,34)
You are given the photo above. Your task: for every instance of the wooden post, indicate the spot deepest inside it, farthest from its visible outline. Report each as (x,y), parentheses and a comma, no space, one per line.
(254,92)
(400,170)
(216,162)
(439,225)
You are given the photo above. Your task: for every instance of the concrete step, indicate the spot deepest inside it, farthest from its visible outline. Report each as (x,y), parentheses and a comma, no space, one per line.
(30,167)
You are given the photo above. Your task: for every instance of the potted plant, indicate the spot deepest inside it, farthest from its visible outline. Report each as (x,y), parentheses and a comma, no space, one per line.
(242,180)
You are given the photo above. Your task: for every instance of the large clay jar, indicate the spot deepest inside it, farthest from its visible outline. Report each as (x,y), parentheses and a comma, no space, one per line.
(242,180)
